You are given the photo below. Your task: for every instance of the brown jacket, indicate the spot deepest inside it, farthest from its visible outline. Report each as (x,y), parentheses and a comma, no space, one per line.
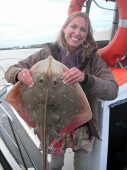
(100,83)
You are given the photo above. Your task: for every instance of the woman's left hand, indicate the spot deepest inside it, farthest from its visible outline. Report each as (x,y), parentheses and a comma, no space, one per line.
(73,75)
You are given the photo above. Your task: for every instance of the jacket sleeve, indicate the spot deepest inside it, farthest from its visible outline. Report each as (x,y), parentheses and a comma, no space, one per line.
(13,70)
(101,82)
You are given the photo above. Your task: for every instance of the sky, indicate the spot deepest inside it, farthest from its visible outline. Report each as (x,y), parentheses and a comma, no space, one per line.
(27,22)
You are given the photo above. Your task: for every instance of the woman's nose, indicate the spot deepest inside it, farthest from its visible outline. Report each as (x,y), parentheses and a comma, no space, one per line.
(77,31)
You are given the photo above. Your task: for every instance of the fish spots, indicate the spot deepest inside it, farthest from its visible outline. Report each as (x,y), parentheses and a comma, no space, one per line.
(64,112)
(64,95)
(40,95)
(29,106)
(57,116)
(52,97)
(76,111)
(71,100)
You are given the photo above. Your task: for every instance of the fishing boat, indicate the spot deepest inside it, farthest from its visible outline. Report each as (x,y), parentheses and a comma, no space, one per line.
(20,147)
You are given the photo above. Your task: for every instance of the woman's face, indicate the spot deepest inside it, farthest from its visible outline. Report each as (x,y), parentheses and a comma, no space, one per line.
(75,33)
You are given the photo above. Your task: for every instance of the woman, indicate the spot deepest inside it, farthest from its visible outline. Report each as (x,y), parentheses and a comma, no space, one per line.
(76,48)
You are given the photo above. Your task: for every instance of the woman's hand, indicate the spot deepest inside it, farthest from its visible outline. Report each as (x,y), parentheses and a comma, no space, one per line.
(25,77)
(73,75)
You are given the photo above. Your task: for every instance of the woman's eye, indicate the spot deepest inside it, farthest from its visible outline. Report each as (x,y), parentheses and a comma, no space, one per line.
(82,30)
(73,26)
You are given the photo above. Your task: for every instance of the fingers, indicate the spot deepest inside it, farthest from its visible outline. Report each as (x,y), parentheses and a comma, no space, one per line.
(72,75)
(25,77)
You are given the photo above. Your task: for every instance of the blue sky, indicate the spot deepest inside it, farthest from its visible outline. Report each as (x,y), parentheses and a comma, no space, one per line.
(26,22)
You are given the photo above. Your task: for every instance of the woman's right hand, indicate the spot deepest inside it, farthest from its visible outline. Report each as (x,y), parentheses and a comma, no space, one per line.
(25,77)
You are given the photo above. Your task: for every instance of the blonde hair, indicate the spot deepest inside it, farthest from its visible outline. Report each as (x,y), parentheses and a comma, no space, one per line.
(88,44)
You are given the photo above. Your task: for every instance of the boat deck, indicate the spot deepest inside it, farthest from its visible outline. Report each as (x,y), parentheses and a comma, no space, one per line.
(17,140)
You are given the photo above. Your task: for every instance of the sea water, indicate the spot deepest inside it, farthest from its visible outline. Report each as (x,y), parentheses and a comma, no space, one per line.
(10,57)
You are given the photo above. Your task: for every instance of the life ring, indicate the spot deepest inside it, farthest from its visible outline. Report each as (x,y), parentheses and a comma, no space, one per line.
(75,5)
(117,48)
